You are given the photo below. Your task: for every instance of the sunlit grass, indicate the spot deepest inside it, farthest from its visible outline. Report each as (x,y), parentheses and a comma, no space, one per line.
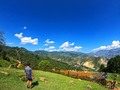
(52,81)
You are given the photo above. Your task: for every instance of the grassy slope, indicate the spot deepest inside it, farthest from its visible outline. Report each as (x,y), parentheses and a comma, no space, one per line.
(112,76)
(53,82)
(116,77)
(4,63)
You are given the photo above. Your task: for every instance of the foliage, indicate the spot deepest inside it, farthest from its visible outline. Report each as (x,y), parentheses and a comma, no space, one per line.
(1,38)
(15,54)
(76,59)
(114,76)
(113,65)
(44,64)
(4,63)
(102,68)
(66,57)
(1,43)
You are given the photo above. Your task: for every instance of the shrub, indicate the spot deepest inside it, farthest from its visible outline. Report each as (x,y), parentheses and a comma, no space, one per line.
(4,63)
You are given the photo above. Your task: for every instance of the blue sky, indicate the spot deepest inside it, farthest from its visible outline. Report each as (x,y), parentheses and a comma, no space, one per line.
(61,25)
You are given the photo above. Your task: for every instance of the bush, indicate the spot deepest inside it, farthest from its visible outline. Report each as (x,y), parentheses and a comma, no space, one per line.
(4,63)
(113,65)
(45,65)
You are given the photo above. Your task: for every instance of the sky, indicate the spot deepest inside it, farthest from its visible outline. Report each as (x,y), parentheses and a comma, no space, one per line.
(61,25)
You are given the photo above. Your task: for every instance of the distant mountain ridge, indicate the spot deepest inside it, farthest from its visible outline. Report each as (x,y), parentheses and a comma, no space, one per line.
(68,57)
(77,59)
(106,53)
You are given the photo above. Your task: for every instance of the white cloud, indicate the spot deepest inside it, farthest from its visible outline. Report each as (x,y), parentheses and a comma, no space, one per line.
(50,48)
(48,42)
(9,43)
(26,40)
(19,35)
(66,46)
(25,27)
(115,44)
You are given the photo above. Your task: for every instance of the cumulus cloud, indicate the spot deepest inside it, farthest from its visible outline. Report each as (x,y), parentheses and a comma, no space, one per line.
(48,42)
(26,40)
(19,35)
(115,44)
(66,46)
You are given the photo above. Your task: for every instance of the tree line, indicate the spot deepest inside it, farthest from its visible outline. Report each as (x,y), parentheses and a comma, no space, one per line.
(113,65)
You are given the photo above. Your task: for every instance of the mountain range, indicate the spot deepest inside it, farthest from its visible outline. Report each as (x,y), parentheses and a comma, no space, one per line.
(77,59)
(89,61)
(106,53)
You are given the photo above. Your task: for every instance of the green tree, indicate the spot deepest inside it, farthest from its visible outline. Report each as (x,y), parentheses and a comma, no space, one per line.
(45,64)
(102,68)
(1,43)
(1,38)
(113,65)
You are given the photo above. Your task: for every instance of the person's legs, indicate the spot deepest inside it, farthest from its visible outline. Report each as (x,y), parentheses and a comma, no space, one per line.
(28,83)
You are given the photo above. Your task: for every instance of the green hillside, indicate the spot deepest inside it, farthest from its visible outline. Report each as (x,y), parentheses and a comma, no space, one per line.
(60,60)
(11,55)
(52,81)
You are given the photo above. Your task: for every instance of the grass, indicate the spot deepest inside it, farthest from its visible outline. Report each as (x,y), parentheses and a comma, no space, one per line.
(4,63)
(114,76)
(53,81)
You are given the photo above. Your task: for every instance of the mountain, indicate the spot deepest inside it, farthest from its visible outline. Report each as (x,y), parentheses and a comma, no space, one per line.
(106,53)
(62,56)
(61,60)
(14,55)
(77,59)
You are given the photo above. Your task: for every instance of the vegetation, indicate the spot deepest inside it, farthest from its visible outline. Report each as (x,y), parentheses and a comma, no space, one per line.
(14,55)
(58,60)
(45,64)
(1,44)
(113,65)
(102,68)
(76,59)
(1,38)
(52,81)
(4,63)
(114,76)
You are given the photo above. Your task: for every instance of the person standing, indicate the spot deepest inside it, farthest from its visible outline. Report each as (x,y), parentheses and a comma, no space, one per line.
(105,75)
(29,75)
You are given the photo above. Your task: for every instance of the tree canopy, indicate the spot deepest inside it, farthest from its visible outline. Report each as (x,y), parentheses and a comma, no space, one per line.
(1,38)
(44,64)
(113,65)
